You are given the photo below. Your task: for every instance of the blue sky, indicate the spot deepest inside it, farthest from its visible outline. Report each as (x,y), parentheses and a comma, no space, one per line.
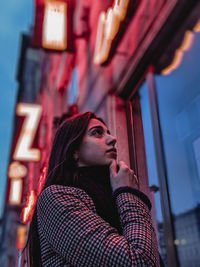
(15,17)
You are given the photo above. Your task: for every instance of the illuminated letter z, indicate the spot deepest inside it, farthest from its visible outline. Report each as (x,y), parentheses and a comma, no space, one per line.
(23,150)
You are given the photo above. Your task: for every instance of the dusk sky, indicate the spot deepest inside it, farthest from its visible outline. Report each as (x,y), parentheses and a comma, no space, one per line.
(16,17)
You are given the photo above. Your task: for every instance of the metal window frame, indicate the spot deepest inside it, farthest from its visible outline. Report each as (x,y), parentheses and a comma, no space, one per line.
(138,159)
(169,233)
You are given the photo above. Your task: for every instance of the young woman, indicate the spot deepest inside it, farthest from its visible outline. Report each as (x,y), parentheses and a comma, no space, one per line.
(90,212)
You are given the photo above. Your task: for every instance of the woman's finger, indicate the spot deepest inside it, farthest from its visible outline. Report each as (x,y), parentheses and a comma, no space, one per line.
(113,168)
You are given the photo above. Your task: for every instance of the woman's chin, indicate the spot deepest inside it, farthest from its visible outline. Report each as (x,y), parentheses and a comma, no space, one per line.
(110,160)
(112,155)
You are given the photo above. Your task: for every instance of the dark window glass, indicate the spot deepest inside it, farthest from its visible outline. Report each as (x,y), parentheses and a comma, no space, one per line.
(179,109)
(152,170)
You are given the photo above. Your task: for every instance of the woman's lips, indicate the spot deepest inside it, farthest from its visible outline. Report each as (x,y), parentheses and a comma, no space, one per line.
(112,152)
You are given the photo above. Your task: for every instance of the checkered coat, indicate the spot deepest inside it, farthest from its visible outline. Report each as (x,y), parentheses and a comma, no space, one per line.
(72,234)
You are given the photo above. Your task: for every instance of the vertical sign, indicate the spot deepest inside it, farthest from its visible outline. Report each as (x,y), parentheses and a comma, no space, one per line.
(23,150)
(16,173)
(108,28)
(54,34)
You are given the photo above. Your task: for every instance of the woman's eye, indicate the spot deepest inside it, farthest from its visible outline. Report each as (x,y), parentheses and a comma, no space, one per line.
(97,132)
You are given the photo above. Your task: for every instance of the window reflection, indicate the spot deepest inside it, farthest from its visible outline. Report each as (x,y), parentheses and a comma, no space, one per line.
(179,110)
(152,170)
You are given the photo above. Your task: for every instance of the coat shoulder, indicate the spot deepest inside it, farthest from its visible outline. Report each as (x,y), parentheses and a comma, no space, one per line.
(57,191)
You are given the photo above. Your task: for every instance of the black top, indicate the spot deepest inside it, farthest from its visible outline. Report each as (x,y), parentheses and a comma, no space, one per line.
(95,181)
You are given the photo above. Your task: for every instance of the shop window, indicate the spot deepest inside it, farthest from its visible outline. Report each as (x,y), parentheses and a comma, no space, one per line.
(152,168)
(178,98)
(179,109)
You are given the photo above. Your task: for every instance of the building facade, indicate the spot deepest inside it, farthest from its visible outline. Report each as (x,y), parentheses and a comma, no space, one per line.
(134,63)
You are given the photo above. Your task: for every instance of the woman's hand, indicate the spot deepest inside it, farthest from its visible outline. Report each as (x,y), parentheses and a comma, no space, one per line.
(124,177)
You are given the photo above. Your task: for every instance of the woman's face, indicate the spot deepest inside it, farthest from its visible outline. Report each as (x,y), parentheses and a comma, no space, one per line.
(98,145)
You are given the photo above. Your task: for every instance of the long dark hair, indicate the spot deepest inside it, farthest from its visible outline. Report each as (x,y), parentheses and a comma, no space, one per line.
(61,169)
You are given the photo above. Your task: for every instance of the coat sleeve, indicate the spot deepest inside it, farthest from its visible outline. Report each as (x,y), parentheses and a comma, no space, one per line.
(82,238)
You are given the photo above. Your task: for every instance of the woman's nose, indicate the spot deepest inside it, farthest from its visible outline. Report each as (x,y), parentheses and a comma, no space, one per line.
(111,140)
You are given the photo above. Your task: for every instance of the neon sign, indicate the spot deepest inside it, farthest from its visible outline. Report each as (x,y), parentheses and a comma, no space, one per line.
(42,179)
(185,46)
(23,150)
(28,209)
(16,172)
(108,27)
(54,34)
(179,53)
(21,237)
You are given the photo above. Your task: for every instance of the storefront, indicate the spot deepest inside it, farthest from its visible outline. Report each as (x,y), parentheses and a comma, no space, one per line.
(170,113)
(148,93)
(116,60)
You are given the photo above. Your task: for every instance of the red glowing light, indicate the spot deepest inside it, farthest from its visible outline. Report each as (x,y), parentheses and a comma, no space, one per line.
(21,237)
(28,210)
(42,179)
